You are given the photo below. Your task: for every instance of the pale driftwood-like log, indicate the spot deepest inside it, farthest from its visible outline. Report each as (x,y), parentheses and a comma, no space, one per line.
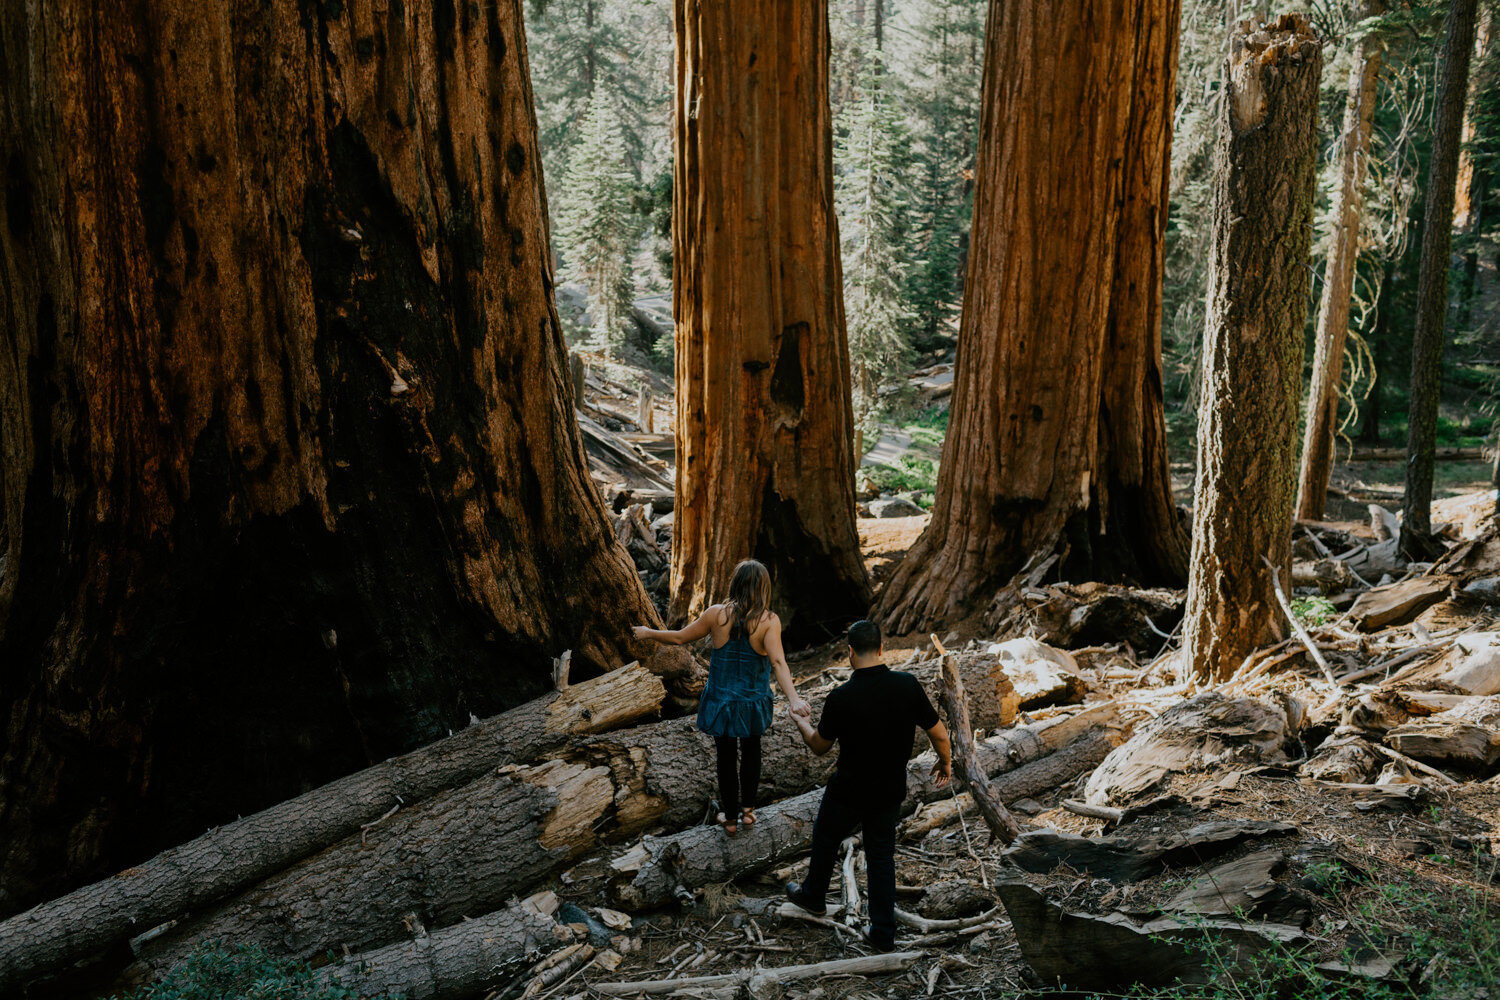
(1107,813)
(229,858)
(869,965)
(649,874)
(966,757)
(924,925)
(469,849)
(1051,771)
(457,961)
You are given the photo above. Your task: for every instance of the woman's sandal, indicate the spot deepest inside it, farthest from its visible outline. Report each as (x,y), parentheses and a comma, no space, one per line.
(728,824)
(747,816)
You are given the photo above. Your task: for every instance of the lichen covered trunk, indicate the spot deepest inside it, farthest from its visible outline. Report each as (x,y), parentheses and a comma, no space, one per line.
(1252,351)
(290,480)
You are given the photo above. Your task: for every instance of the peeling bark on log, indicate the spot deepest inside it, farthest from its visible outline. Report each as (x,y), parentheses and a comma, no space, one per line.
(467,850)
(1024,762)
(242,853)
(966,757)
(764,418)
(1058,423)
(289,476)
(1252,355)
(458,961)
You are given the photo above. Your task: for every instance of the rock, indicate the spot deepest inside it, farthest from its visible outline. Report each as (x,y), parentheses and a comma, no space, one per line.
(1245,887)
(1398,603)
(1347,758)
(895,507)
(956,899)
(1472,664)
(1467,735)
(1041,675)
(1486,589)
(1204,732)
(1125,859)
(1088,952)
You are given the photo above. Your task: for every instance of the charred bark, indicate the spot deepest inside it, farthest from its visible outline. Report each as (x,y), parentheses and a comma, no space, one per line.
(765,423)
(1057,425)
(290,480)
(1338,274)
(1252,353)
(1432,279)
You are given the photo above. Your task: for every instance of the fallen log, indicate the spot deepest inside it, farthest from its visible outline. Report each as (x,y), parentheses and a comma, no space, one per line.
(457,961)
(1397,603)
(755,980)
(468,849)
(966,757)
(647,875)
(239,854)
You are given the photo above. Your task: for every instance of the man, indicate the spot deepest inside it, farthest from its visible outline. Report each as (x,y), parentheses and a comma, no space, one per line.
(873,717)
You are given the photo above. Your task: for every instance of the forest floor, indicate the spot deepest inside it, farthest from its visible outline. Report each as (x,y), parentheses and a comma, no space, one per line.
(1395,891)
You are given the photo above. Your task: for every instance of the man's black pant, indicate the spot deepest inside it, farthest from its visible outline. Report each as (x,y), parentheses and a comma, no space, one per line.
(838,815)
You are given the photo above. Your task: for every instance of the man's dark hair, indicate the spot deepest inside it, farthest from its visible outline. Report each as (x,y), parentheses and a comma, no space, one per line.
(864,637)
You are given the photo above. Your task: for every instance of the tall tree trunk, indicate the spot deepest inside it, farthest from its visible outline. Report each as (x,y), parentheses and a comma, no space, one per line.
(1057,421)
(290,477)
(1338,273)
(1432,280)
(1252,353)
(765,426)
(1472,188)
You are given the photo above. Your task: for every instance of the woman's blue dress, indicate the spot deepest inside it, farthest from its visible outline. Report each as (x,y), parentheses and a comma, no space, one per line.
(737,698)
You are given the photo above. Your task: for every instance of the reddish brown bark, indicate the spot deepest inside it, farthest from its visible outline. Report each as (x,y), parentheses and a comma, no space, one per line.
(290,478)
(1057,425)
(765,426)
(1252,351)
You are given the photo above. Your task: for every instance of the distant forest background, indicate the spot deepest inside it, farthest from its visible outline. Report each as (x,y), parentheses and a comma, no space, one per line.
(905,91)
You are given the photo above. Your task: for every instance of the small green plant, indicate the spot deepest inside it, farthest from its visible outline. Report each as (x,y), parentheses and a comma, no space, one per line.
(1313,610)
(908,475)
(246,972)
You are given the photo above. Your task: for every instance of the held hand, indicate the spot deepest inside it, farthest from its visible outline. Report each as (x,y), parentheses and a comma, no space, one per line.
(641,633)
(797,706)
(942,773)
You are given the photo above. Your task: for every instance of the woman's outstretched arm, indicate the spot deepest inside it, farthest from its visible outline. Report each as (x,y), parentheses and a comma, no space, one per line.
(677,637)
(784,672)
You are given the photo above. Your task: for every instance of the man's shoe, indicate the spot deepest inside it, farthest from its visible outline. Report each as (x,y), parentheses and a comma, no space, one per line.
(879,945)
(795,894)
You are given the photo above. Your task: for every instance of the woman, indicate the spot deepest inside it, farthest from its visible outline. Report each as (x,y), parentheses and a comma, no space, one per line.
(736,705)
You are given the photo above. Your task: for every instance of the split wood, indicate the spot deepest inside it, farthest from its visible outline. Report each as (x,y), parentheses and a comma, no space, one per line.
(1001,824)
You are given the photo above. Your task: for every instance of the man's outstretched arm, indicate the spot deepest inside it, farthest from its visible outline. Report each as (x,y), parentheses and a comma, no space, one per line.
(810,735)
(942,771)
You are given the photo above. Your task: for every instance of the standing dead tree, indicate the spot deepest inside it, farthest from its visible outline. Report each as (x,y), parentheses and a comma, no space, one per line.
(1252,353)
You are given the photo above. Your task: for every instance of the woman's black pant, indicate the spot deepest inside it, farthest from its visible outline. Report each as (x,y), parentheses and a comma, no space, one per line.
(739,773)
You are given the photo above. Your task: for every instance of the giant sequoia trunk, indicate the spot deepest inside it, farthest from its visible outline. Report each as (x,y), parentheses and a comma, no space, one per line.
(1338,273)
(1432,279)
(290,479)
(1252,350)
(765,426)
(1057,425)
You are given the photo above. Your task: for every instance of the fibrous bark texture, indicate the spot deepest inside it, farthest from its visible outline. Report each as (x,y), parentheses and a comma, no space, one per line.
(1057,426)
(966,763)
(765,425)
(229,858)
(1432,278)
(1338,273)
(1252,351)
(289,474)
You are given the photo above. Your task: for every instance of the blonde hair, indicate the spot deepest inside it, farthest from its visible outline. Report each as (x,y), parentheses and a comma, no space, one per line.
(749,594)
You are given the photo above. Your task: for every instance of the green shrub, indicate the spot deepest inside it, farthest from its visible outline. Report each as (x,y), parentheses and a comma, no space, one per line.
(908,475)
(1314,610)
(217,972)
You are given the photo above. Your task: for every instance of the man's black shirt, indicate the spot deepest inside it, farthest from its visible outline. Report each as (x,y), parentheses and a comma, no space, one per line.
(874,716)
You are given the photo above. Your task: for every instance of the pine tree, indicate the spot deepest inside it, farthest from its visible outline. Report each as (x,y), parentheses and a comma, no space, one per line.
(596,229)
(872,198)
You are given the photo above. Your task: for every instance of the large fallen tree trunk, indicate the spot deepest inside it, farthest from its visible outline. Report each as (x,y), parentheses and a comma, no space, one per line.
(1024,762)
(231,857)
(457,961)
(468,849)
